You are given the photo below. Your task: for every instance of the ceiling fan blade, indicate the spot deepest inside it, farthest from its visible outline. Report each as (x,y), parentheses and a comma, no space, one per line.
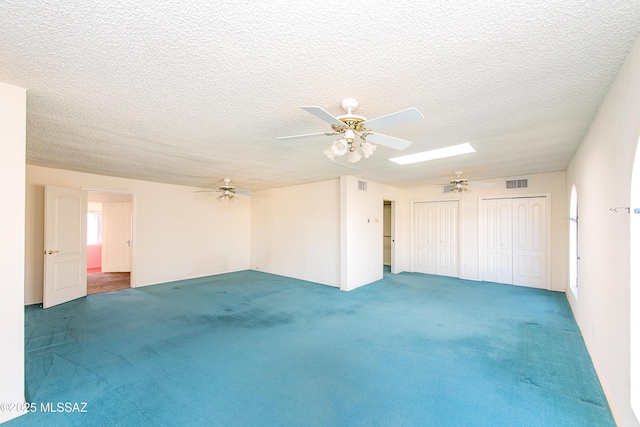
(244,192)
(409,115)
(323,115)
(481,184)
(388,141)
(308,135)
(208,191)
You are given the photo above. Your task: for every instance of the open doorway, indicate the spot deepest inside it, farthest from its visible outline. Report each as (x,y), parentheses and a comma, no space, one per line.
(387,236)
(109,241)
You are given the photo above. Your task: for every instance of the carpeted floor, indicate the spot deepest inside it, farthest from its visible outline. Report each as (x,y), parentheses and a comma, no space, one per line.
(254,349)
(107,282)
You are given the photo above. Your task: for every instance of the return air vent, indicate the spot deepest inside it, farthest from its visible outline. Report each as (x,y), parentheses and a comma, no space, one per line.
(517,183)
(362,185)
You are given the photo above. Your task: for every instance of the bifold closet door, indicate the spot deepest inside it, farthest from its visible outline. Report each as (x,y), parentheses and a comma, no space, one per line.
(424,217)
(513,241)
(436,238)
(529,242)
(447,243)
(496,241)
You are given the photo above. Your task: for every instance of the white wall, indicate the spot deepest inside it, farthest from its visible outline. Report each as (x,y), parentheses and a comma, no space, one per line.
(601,171)
(12,178)
(635,288)
(548,183)
(99,197)
(361,218)
(177,234)
(295,232)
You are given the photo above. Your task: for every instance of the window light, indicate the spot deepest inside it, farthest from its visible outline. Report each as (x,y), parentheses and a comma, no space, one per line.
(439,153)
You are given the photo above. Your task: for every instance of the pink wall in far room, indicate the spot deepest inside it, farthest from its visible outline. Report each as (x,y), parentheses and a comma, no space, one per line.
(94,257)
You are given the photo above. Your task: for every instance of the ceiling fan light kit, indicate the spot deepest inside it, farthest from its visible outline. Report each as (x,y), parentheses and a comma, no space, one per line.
(228,192)
(355,130)
(460,185)
(228,196)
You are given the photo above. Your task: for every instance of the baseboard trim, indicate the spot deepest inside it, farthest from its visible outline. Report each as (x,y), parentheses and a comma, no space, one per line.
(306,279)
(190,278)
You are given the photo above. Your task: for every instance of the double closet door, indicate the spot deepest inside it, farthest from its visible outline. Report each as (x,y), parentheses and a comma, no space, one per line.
(513,241)
(436,238)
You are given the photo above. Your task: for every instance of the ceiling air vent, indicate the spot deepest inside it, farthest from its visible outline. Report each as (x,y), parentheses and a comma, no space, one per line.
(362,185)
(517,183)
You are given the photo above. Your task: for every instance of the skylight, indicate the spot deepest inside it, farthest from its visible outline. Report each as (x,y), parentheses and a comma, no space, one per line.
(439,153)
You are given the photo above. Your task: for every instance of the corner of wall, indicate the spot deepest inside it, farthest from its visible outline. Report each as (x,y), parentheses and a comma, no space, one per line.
(12,246)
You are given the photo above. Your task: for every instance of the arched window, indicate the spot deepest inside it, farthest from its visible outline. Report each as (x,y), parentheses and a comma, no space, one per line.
(573,242)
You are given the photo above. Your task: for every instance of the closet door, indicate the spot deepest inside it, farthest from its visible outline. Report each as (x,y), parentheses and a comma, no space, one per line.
(496,241)
(447,245)
(513,241)
(436,238)
(424,217)
(529,242)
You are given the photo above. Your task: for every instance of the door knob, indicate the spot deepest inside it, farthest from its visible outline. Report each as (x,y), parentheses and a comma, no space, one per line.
(50,252)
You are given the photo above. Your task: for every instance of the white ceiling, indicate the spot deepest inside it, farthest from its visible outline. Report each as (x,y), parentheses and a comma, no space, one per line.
(192,92)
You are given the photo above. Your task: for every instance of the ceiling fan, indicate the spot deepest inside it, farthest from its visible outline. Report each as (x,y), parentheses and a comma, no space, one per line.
(459,185)
(358,132)
(228,191)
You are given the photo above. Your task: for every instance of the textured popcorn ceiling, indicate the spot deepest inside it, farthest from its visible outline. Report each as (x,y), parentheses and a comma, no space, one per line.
(192,92)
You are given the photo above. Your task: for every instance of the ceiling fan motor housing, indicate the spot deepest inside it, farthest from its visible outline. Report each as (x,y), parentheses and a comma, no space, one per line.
(351,121)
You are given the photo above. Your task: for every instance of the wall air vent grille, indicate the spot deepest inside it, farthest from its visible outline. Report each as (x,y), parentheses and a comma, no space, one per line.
(517,183)
(362,185)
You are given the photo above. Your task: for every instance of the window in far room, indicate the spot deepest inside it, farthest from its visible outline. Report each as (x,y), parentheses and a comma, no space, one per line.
(94,228)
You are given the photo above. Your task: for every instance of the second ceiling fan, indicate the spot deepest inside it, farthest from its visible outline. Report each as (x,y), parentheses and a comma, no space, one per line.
(228,191)
(357,132)
(459,185)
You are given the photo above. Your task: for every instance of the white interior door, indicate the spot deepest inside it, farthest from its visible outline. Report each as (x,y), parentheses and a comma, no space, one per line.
(513,236)
(496,241)
(65,245)
(447,249)
(116,237)
(424,216)
(436,238)
(529,242)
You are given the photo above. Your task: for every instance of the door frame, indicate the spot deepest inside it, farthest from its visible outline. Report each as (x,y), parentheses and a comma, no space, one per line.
(392,214)
(412,243)
(548,221)
(132,278)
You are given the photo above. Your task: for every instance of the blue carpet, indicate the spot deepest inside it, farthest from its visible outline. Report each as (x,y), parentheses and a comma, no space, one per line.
(250,348)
